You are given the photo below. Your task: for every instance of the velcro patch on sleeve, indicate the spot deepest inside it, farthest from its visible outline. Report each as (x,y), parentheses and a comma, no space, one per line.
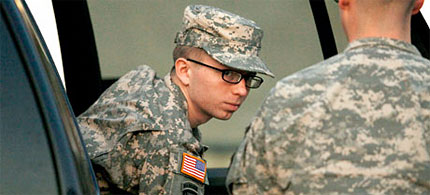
(194,167)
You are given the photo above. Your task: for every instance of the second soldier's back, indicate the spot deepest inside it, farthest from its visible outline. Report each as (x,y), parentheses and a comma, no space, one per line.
(357,123)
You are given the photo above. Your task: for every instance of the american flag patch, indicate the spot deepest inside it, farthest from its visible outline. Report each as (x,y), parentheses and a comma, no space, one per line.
(194,167)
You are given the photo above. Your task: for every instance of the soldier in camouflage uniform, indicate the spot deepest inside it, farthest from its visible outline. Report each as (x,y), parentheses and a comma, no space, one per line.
(357,123)
(142,134)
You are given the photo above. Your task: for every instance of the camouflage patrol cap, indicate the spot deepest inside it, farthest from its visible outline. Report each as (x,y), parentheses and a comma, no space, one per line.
(228,38)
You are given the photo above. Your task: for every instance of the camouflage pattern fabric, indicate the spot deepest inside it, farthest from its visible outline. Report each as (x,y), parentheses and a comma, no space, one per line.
(357,123)
(137,131)
(228,38)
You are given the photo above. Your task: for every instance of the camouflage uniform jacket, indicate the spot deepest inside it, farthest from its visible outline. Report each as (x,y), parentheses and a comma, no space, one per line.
(357,123)
(138,131)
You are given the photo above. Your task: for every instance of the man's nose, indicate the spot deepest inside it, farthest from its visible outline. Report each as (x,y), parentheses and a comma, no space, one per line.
(241,89)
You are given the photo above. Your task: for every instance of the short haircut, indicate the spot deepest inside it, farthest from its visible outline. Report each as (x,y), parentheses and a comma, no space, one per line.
(186,52)
(181,51)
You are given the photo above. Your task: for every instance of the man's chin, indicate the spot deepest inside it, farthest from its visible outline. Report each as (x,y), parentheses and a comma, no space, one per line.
(227,116)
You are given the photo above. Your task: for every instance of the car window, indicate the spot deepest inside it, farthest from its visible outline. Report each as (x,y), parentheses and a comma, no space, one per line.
(132,33)
(24,145)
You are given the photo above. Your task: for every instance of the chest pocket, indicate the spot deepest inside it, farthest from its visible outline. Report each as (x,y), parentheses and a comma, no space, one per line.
(189,173)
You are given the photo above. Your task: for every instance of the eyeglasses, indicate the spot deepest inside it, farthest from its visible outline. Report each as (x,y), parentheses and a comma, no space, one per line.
(234,77)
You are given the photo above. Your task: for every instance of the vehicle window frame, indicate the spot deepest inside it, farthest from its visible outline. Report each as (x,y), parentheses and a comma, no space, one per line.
(75,174)
(26,154)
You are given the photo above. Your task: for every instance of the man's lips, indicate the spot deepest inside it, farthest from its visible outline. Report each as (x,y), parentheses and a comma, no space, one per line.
(232,106)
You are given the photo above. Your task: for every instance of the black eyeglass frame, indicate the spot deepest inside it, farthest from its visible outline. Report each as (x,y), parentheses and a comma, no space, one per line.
(252,77)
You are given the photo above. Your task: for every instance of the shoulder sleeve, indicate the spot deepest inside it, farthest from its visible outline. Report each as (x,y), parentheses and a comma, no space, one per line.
(171,164)
(151,162)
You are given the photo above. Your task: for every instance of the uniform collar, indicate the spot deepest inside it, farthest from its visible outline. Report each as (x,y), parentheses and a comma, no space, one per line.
(382,42)
(180,99)
(179,96)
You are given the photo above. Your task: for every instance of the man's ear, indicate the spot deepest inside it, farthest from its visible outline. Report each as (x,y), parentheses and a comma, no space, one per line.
(417,6)
(182,70)
(344,4)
